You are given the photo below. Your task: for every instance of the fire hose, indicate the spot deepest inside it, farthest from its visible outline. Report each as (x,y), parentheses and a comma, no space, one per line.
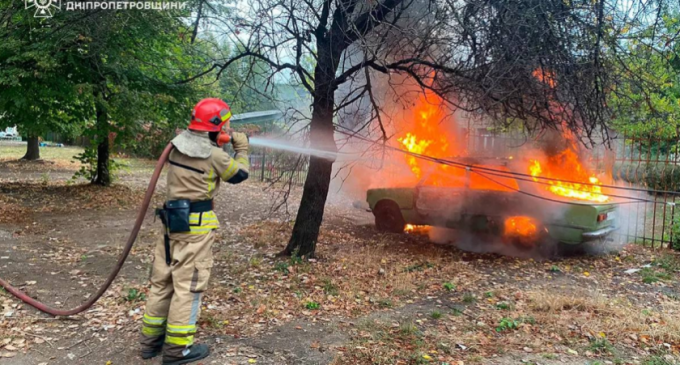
(121,258)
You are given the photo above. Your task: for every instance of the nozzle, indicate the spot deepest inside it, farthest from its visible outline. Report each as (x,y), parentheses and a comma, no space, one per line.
(223,139)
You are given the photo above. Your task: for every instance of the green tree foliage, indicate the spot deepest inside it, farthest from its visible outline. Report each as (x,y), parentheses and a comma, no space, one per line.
(647,100)
(104,72)
(123,76)
(131,62)
(35,91)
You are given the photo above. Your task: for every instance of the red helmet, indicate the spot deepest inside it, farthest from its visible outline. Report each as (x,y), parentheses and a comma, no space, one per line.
(209,115)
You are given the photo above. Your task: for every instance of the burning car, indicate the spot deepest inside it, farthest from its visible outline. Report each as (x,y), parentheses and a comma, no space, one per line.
(547,193)
(496,203)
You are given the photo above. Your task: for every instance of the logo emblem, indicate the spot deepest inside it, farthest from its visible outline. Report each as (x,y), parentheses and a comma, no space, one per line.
(43,7)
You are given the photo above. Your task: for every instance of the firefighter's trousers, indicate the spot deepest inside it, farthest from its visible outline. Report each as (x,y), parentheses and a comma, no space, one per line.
(174,303)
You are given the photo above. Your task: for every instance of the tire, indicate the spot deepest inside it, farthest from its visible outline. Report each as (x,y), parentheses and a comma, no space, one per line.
(388,217)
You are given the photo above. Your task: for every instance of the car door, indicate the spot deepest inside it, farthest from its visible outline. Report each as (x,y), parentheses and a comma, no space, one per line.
(440,201)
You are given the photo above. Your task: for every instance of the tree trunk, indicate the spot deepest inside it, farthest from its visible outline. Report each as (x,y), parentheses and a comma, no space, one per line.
(103,176)
(32,149)
(308,221)
(321,134)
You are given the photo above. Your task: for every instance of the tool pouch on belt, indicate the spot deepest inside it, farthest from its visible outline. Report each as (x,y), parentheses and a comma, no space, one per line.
(177,215)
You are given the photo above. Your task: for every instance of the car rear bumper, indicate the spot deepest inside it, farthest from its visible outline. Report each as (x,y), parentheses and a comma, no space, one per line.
(593,235)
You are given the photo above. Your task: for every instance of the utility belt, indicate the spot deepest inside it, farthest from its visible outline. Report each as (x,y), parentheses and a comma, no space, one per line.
(175,218)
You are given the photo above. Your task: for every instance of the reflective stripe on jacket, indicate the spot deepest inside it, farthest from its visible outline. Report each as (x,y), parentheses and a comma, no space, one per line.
(199,179)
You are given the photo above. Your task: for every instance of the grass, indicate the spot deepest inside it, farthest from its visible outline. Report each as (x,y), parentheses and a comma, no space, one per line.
(65,156)
(650,275)
(407,328)
(134,295)
(669,263)
(436,314)
(385,303)
(329,288)
(657,360)
(598,313)
(212,321)
(528,320)
(419,267)
(601,346)
(281,266)
(469,298)
(255,261)
(507,324)
(402,340)
(312,305)
(673,296)
(503,306)
(414,267)
(16,151)
(448,286)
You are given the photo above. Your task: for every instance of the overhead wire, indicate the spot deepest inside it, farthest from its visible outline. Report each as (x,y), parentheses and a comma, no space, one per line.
(522,177)
(641,200)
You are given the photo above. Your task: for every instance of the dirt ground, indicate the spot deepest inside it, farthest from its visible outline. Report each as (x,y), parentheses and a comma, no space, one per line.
(369,298)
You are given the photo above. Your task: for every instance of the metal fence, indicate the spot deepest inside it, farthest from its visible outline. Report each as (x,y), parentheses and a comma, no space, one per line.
(269,166)
(648,163)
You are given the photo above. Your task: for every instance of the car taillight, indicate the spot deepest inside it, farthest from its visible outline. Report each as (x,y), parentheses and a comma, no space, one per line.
(601,217)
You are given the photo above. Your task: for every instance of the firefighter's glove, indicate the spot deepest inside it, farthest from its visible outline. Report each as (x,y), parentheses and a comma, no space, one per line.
(239,141)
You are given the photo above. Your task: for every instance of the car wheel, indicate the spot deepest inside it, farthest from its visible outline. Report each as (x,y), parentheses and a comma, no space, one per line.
(388,217)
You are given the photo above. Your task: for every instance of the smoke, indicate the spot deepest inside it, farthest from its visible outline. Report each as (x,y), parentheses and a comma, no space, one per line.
(477,205)
(486,243)
(444,194)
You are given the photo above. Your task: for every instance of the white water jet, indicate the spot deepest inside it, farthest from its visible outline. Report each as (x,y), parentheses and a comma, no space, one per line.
(289,146)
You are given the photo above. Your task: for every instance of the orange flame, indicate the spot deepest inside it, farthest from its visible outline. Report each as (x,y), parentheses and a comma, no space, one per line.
(414,228)
(411,144)
(566,166)
(426,135)
(520,226)
(546,77)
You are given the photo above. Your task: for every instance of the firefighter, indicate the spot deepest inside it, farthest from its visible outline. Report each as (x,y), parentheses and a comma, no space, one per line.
(183,259)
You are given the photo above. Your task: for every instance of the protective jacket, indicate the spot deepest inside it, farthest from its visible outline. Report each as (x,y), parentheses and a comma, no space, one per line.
(183,261)
(198,179)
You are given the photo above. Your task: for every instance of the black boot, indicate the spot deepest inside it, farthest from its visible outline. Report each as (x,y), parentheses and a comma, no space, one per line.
(150,353)
(195,353)
(153,349)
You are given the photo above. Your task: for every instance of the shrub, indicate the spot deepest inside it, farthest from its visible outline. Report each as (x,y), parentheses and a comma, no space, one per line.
(655,176)
(675,229)
(88,168)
